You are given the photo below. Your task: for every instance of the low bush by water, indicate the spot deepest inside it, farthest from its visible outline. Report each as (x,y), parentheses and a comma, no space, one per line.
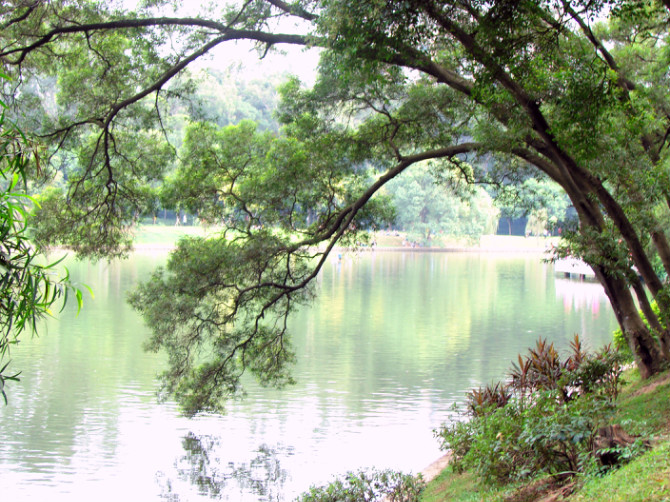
(544,420)
(557,428)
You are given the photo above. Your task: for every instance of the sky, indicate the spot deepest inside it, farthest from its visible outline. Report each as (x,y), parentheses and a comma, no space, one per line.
(241,57)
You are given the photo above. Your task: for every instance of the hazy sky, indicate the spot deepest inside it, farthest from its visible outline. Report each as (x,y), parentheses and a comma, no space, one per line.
(245,59)
(241,56)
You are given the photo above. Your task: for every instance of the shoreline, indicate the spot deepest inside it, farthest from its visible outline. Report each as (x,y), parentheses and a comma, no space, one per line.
(455,249)
(433,470)
(162,238)
(380,249)
(542,247)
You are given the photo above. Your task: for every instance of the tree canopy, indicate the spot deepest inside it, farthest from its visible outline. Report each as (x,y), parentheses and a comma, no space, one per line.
(428,209)
(569,90)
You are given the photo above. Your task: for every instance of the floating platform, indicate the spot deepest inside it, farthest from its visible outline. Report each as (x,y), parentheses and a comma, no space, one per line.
(573,267)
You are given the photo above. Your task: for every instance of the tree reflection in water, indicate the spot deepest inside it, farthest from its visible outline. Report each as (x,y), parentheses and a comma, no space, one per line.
(261,478)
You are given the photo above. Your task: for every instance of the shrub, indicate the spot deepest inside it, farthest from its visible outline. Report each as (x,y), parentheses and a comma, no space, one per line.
(370,486)
(621,344)
(599,374)
(483,400)
(579,373)
(488,444)
(561,436)
(521,440)
(545,420)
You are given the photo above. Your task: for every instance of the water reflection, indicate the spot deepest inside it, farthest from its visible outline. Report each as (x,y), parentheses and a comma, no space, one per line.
(579,295)
(203,466)
(391,342)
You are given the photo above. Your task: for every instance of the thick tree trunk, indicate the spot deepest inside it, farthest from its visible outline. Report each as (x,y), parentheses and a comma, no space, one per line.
(661,243)
(640,258)
(647,352)
(652,319)
(586,192)
(648,356)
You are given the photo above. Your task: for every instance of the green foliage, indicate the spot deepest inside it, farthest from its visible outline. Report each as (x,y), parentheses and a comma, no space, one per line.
(482,400)
(218,308)
(642,408)
(522,440)
(428,209)
(562,436)
(99,225)
(542,369)
(544,420)
(541,200)
(226,99)
(371,486)
(599,374)
(28,289)
(620,341)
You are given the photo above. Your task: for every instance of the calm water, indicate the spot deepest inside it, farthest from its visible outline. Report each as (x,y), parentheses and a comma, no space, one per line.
(392,342)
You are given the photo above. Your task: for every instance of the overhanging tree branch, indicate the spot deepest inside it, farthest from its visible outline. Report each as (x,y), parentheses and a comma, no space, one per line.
(124,24)
(294,9)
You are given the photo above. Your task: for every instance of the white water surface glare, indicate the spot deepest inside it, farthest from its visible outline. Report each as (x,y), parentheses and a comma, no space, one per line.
(392,341)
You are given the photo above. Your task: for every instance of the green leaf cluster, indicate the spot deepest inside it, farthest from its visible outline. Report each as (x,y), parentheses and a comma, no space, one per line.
(369,486)
(545,421)
(219,308)
(29,289)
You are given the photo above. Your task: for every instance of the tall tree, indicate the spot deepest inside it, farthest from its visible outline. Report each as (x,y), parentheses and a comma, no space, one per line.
(400,83)
(428,209)
(530,197)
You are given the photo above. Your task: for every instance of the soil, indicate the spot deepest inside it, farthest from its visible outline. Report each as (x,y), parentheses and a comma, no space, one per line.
(650,387)
(430,472)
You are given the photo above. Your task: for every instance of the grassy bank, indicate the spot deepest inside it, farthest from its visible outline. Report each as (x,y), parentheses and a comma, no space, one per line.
(642,408)
(485,243)
(166,235)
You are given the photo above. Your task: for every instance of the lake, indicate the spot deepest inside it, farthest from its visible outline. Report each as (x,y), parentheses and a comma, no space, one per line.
(393,340)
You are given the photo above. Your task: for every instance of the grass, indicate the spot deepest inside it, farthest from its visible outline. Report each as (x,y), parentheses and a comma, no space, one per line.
(166,234)
(455,487)
(643,408)
(485,243)
(645,479)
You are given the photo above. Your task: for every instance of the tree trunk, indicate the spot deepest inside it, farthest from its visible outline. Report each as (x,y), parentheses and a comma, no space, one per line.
(640,258)
(661,243)
(648,356)
(652,318)
(647,353)
(586,192)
